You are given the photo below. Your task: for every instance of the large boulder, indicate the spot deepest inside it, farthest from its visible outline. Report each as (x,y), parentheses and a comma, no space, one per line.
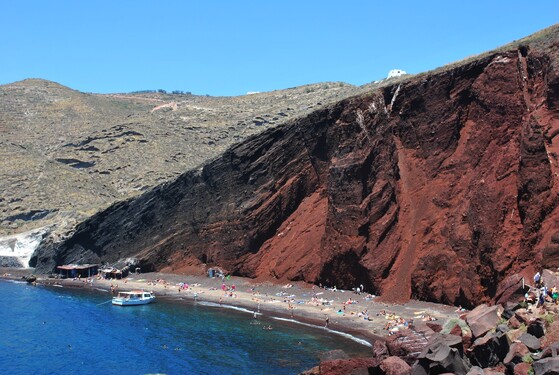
(523,368)
(489,350)
(475,370)
(550,278)
(514,323)
(507,313)
(509,309)
(499,370)
(337,362)
(516,352)
(353,366)
(465,335)
(511,288)
(549,351)
(443,354)
(536,327)
(408,344)
(514,334)
(546,366)
(483,319)
(460,328)
(503,328)
(436,327)
(532,342)
(380,350)
(523,316)
(394,366)
(417,369)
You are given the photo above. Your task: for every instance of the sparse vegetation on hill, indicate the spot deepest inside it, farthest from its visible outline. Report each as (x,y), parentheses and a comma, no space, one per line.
(67,154)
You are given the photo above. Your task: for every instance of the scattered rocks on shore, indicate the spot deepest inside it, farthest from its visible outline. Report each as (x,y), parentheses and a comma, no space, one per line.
(482,341)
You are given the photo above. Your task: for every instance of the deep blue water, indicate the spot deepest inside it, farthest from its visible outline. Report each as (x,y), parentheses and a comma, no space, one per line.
(63,331)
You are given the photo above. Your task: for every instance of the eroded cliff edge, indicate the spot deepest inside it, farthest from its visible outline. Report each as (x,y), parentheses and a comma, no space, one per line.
(441,187)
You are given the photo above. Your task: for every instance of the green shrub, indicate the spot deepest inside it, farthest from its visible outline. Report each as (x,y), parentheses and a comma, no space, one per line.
(549,319)
(528,358)
(451,323)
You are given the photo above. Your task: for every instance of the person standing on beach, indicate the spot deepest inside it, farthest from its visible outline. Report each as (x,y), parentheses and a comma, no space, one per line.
(537,279)
(327,321)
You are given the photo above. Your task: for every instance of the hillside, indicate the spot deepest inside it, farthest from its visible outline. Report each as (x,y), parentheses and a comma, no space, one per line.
(66,155)
(442,186)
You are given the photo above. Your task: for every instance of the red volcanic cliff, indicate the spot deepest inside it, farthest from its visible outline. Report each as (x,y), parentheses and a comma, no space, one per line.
(438,187)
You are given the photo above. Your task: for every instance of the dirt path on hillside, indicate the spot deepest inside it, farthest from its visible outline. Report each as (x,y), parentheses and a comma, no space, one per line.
(134,98)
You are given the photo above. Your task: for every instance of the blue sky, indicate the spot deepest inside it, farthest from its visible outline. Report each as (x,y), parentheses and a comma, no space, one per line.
(231,47)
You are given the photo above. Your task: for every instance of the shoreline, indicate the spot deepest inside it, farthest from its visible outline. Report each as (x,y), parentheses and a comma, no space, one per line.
(296,302)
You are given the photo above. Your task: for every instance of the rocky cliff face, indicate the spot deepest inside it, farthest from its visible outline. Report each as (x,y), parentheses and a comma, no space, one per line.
(439,188)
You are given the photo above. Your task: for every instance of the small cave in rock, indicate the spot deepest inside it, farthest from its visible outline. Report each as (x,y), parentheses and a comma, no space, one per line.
(345,272)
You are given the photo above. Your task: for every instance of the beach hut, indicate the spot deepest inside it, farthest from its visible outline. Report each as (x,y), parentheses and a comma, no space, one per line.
(114,273)
(77,270)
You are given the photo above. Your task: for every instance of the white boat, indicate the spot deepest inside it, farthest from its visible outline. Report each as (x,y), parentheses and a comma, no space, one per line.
(134,297)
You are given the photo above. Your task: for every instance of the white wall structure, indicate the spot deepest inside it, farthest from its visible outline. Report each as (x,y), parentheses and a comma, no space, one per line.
(396,73)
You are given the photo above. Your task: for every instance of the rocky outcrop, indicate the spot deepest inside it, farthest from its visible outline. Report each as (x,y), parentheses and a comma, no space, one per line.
(394,366)
(547,366)
(483,318)
(409,344)
(501,350)
(437,187)
(353,366)
(16,250)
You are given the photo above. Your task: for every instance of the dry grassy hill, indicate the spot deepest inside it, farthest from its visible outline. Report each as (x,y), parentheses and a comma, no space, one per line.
(65,154)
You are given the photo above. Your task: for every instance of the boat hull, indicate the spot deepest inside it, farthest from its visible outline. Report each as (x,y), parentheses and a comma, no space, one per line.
(120,302)
(124,301)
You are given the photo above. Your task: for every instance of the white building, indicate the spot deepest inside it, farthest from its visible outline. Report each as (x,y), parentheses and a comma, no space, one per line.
(396,73)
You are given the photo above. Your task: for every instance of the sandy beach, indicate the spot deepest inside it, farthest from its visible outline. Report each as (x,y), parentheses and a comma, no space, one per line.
(358,315)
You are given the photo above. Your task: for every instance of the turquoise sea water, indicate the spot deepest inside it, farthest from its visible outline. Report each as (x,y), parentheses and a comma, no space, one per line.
(68,331)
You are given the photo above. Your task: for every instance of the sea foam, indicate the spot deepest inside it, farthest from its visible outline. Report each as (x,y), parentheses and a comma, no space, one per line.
(346,335)
(213,304)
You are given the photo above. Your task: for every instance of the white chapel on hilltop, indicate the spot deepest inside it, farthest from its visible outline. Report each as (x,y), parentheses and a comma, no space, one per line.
(396,73)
